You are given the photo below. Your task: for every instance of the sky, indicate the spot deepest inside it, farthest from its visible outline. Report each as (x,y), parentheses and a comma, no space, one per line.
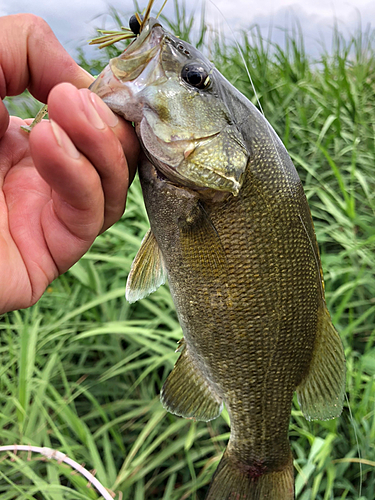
(74,21)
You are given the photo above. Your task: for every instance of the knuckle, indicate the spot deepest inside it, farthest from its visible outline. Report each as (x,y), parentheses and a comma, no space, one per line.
(32,22)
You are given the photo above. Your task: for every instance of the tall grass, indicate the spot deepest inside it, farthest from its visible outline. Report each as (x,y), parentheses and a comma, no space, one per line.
(81,370)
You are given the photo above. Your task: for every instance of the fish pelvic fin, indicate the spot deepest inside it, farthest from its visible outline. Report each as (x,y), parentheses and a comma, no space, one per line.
(187,393)
(147,272)
(321,393)
(234,480)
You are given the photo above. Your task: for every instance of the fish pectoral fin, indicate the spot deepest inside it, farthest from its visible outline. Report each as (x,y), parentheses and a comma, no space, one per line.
(187,393)
(321,393)
(147,272)
(201,246)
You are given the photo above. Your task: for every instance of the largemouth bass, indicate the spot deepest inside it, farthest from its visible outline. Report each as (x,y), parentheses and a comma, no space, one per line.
(232,231)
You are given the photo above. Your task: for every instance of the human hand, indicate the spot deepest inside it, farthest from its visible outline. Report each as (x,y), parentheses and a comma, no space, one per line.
(66,181)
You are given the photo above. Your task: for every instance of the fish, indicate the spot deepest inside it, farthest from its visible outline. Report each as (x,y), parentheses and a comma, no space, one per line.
(232,232)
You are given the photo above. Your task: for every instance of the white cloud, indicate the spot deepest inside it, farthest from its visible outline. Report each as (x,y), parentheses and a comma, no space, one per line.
(73,21)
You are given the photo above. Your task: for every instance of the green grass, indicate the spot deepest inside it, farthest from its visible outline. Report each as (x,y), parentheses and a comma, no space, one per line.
(81,370)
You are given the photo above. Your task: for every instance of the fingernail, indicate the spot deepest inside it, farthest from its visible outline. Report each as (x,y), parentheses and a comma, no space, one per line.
(64,141)
(90,111)
(106,114)
(87,73)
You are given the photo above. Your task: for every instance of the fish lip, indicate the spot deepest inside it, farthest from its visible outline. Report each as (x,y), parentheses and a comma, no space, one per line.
(141,38)
(137,56)
(141,51)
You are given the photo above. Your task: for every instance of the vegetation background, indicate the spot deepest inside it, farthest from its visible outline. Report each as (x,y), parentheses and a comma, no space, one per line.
(81,371)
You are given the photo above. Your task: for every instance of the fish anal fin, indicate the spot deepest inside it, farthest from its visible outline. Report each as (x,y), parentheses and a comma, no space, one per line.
(321,393)
(187,393)
(234,480)
(147,272)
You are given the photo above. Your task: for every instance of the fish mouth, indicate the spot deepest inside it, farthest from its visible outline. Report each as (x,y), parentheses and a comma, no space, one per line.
(148,31)
(135,65)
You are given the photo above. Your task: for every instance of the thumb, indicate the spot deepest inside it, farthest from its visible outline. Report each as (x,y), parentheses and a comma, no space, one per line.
(4,119)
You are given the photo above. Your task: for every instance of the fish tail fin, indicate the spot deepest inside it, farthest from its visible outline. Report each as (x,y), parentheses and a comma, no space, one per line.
(238,481)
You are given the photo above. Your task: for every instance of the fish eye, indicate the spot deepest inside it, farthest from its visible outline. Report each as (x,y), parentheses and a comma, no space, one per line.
(196,75)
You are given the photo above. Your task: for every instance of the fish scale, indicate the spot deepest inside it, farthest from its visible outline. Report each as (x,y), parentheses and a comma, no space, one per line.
(205,324)
(232,231)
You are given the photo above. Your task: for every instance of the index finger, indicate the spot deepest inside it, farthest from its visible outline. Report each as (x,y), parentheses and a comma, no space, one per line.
(31,57)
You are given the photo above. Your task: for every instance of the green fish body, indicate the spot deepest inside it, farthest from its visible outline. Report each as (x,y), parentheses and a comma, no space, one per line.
(232,231)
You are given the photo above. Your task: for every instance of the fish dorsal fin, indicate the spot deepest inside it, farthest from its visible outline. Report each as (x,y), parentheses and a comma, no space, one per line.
(147,272)
(321,393)
(188,393)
